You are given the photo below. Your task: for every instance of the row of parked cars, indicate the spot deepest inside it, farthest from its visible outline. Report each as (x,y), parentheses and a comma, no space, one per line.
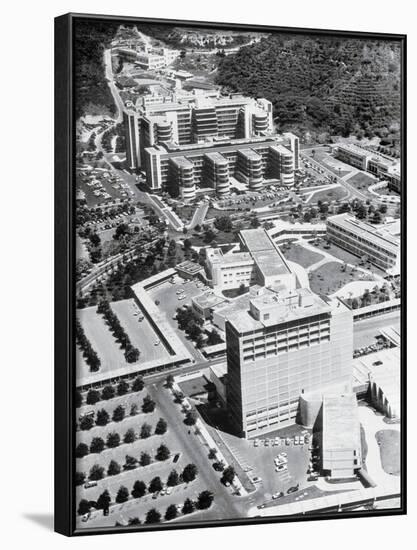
(302,439)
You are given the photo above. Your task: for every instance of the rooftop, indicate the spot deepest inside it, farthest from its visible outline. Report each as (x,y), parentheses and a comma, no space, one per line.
(341,428)
(283,305)
(267,256)
(208,299)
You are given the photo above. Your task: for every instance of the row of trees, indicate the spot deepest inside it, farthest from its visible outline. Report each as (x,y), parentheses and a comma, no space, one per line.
(119,413)
(89,354)
(131,353)
(109,391)
(98,472)
(203,502)
(113,440)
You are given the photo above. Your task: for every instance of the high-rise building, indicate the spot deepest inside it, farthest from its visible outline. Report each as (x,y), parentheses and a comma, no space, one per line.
(284,343)
(200,116)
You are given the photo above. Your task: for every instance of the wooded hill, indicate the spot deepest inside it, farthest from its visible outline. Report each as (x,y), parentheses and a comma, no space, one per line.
(321,84)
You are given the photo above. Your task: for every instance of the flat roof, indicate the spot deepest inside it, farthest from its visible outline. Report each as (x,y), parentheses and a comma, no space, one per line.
(341,428)
(208,299)
(384,235)
(267,256)
(243,320)
(171,149)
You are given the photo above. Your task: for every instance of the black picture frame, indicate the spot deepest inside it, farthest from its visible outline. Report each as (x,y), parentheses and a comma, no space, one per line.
(65,273)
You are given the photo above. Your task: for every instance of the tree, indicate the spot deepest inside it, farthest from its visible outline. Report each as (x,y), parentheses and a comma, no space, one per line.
(78,398)
(83,507)
(153,516)
(171,512)
(96,445)
(155,485)
(161,427)
(96,473)
(139,489)
(145,459)
(93,396)
(169,382)
(134,521)
(254,222)
(130,463)
(108,392)
(113,440)
(205,499)
(122,387)
(131,354)
(173,478)
(223,223)
(102,417)
(189,473)
(129,436)
(104,500)
(133,409)
(122,494)
(138,384)
(81,450)
(114,468)
(163,453)
(228,475)
(190,418)
(148,404)
(355,303)
(79,478)
(118,414)
(145,431)
(188,506)
(213,336)
(86,422)
(212,454)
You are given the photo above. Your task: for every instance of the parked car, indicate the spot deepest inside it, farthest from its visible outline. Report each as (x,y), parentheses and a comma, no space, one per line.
(277,495)
(293,489)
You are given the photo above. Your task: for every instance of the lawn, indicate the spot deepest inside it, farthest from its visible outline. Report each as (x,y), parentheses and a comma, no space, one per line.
(389,447)
(301,255)
(333,194)
(360,179)
(329,277)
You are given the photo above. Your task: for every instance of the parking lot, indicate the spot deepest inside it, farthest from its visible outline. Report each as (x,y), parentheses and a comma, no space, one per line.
(179,439)
(258,462)
(141,334)
(169,301)
(134,507)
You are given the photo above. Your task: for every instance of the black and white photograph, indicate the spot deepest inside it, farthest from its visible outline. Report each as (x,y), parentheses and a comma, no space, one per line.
(237,232)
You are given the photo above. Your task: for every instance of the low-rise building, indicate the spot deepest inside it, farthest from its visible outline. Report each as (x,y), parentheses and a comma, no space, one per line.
(379,243)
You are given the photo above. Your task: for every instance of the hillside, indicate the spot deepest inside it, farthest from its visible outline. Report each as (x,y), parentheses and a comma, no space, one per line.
(92,94)
(321,84)
(180,37)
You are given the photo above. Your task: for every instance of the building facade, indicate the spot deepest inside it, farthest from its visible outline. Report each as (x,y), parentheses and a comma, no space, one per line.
(379,243)
(286,343)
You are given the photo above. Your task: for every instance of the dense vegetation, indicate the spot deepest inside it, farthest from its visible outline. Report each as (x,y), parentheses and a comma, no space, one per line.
(321,84)
(92,94)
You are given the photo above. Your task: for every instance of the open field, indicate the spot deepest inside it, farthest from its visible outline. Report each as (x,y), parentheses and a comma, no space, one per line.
(297,253)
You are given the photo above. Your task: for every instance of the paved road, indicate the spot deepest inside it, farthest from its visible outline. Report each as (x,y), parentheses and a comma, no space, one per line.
(199,215)
(350,188)
(226,502)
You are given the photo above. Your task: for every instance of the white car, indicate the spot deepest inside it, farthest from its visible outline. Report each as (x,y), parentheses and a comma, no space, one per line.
(157,342)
